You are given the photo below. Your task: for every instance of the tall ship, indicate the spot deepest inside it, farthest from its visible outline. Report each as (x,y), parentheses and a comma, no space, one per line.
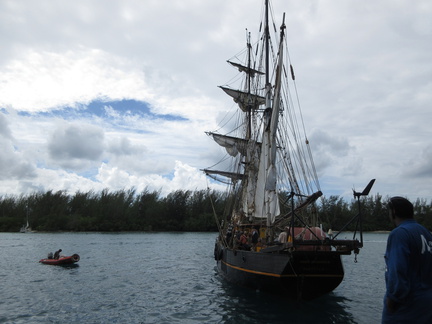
(270,237)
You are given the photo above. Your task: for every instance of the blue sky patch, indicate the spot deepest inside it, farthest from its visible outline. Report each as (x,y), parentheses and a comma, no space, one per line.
(98,108)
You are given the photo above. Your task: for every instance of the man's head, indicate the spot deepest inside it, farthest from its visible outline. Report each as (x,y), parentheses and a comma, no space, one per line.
(401,208)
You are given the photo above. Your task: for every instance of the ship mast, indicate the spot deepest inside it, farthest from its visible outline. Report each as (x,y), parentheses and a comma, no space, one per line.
(267,39)
(249,78)
(266,196)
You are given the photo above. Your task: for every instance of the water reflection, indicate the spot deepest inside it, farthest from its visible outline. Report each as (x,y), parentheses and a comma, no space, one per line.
(243,305)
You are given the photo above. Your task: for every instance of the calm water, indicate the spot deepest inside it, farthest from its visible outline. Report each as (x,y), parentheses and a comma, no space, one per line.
(164,278)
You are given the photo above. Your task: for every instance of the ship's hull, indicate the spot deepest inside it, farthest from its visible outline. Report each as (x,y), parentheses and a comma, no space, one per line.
(295,275)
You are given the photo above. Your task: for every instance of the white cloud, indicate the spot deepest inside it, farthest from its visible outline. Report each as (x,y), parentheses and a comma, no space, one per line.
(55,79)
(184,177)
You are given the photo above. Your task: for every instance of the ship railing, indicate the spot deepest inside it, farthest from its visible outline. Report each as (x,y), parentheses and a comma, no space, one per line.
(317,246)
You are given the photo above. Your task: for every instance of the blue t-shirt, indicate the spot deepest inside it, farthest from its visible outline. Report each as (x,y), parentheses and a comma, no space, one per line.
(408,275)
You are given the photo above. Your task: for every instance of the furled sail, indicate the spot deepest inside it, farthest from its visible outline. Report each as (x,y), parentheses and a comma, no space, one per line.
(233,145)
(246,101)
(246,69)
(232,175)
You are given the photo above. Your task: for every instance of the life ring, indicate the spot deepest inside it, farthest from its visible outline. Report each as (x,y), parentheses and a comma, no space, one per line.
(75,257)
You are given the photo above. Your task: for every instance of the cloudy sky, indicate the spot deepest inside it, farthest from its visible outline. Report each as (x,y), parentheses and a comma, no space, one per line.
(118,93)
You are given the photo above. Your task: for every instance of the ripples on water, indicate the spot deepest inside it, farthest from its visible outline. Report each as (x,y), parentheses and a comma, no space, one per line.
(164,278)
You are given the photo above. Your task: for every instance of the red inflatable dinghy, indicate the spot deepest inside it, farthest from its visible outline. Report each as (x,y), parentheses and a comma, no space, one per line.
(62,260)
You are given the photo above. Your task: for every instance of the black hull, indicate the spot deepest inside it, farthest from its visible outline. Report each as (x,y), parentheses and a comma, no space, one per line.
(295,275)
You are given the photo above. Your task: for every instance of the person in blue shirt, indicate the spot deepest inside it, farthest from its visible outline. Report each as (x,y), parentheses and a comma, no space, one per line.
(408,276)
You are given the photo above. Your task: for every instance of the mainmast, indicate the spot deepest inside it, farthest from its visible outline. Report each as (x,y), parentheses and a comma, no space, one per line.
(267,40)
(268,93)
(249,78)
(266,197)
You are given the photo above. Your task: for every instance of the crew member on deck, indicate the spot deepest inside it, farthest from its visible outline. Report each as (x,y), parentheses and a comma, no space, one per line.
(244,242)
(255,236)
(283,236)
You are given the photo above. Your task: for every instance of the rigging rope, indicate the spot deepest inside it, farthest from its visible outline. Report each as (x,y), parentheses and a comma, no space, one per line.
(313,168)
(222,237)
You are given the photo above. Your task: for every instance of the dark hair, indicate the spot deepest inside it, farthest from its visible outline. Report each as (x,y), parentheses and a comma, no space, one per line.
(402,207)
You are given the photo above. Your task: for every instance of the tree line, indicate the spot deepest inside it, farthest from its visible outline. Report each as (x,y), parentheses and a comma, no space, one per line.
(181,210)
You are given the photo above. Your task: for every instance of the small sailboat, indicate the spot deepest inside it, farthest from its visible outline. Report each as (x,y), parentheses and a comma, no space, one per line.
(270,238)
(26,228)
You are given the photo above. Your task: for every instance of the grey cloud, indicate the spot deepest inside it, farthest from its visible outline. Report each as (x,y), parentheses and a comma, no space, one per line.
(13,168)
(421,167)
(4,127)
(123,146)
(327,149)
(12,164)
(83,142)
(333,145)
